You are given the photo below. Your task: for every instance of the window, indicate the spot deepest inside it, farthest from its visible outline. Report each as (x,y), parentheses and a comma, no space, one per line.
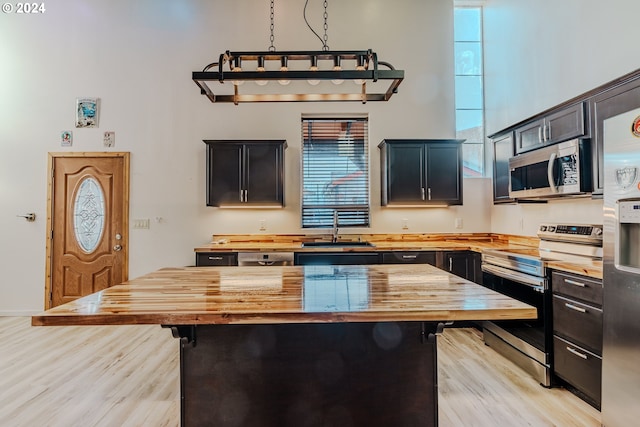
(469,87)
(335,172)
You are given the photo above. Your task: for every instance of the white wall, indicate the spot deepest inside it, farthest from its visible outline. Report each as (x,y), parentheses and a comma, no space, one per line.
(137,57)
(539,53)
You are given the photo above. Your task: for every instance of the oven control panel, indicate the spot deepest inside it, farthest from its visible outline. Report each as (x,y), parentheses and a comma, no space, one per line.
(587,233)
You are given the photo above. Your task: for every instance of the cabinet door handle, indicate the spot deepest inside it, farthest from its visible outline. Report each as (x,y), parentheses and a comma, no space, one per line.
(409,256)
(241,196)
(246,195)
(548,129)
(215,258)
(540,134)
(573,282)
(577,353)
(429,193)
(423,196)
(450,264)
(575,308)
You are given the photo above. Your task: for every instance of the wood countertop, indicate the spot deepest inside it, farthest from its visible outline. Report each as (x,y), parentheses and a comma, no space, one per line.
(391,242)
(288,294)
(590,268)
(395,242)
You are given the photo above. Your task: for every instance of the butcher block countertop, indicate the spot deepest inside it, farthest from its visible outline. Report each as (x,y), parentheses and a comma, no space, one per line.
(590,268)
(288,294)
(393,242)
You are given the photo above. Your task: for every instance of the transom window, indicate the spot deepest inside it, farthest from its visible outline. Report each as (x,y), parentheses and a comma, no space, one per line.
(335,172)
(469,87)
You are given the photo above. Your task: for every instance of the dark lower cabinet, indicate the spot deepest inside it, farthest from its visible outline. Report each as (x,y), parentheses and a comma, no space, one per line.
(577,331)
(466,264)
(336,258)
(476,261)
(580,369)
(211,259)
(409,257)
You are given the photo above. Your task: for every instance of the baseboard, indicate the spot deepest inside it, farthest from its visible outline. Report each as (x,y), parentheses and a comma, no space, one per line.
(18,313)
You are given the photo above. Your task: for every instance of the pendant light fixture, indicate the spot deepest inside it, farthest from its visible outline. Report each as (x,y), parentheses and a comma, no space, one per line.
(298,76)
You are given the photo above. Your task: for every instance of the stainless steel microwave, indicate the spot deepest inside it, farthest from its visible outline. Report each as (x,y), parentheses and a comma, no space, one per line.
(562,169)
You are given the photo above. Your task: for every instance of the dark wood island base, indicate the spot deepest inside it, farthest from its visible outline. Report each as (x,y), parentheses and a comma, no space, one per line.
(324,374)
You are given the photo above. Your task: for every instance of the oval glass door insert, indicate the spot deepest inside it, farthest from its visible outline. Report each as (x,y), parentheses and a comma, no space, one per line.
(88,214)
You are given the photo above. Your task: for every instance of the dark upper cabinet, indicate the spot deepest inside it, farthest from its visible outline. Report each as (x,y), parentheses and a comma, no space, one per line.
(503,149)
(242,173)
(618,99)
(562,125)
(421,172)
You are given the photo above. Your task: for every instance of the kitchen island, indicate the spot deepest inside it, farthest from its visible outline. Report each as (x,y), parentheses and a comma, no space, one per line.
(299,345)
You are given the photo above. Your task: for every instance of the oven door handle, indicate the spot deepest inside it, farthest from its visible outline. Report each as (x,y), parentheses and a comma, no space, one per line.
(536,283)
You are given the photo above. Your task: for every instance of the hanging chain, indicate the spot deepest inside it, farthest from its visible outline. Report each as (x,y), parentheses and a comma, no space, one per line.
(325,46)
(272,48)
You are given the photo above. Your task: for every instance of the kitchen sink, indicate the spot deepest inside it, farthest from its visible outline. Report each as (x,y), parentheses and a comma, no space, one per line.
(336,244)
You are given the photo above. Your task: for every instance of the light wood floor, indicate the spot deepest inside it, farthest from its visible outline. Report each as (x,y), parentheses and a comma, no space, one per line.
(128,376)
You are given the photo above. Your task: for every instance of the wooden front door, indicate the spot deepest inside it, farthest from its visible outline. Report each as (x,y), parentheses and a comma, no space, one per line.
(87,245)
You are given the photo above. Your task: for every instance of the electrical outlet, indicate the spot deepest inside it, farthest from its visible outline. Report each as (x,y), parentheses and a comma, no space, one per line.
(141,223)
(263,225)
(405,224)
(458,223)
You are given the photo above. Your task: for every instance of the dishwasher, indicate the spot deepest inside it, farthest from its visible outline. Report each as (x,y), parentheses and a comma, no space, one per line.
(265,258)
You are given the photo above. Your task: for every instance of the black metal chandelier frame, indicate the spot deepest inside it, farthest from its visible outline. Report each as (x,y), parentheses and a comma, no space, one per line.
(367,69)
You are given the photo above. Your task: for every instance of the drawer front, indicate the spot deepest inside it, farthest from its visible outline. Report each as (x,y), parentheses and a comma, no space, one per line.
(418,257)
(578,322)
(579,367)
(576,286)
(340,258)
(215,258)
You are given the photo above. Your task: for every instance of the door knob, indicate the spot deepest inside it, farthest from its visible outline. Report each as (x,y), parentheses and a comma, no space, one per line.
(117,248)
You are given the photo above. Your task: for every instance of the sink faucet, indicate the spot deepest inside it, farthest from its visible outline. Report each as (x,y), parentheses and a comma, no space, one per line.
(335,226)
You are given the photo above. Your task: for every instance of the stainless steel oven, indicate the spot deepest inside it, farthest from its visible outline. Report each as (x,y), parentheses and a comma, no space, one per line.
(522,274)
(555,170)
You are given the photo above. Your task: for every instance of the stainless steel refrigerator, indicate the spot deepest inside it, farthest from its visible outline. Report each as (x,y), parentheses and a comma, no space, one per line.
(621,244)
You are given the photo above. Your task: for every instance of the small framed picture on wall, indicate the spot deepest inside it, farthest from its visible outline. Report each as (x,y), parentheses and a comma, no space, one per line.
(87,112)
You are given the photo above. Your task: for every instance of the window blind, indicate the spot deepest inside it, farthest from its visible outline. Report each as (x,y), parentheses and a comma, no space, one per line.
(335,172)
